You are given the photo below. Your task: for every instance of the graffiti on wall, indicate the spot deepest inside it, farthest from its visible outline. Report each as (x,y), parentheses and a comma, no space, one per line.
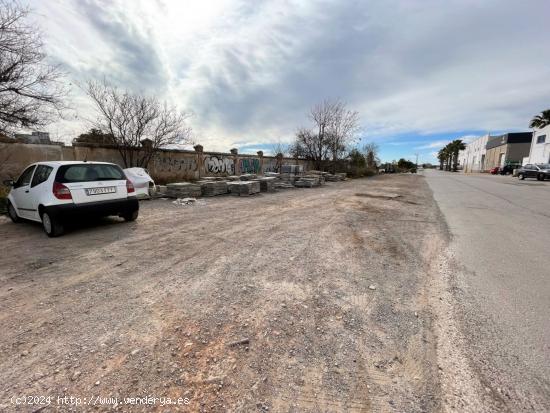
(219,165)
(249,165)
(167,164)
(271,165)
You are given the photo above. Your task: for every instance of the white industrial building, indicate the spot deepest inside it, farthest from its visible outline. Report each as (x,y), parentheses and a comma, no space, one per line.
(540,147)
(472,159)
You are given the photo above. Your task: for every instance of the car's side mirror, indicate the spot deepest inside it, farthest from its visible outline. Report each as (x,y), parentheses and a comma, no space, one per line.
(9,182)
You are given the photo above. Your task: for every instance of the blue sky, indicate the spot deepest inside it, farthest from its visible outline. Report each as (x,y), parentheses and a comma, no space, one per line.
(418,72)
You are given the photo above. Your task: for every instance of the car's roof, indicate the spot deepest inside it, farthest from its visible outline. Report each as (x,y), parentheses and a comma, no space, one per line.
(59,163)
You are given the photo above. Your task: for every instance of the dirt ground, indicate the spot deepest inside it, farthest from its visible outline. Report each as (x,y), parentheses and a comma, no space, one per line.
(306,300)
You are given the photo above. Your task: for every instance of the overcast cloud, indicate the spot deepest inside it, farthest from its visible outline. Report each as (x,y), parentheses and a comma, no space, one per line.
(249,71)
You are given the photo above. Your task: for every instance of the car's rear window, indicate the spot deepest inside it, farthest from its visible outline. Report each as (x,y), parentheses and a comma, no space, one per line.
(89,173)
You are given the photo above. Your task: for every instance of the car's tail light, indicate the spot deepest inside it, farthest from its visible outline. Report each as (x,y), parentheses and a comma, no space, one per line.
(60,191)
(129,187)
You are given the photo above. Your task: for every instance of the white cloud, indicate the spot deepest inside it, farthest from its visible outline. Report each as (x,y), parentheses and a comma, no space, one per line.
(250,70)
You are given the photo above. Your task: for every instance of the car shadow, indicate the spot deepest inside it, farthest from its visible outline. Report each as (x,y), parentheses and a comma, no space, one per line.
(102,225)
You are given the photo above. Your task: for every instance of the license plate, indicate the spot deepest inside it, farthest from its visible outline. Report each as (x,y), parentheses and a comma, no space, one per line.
(100,191)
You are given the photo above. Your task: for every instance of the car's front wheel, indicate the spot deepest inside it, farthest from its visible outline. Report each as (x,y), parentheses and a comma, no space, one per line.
(52,227)
(130,216)
(521,176)
(13,213)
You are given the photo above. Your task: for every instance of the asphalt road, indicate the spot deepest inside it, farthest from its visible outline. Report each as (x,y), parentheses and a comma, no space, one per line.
(500,238)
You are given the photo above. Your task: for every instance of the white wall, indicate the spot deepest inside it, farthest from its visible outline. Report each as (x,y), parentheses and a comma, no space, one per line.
(471,158)
(540,152)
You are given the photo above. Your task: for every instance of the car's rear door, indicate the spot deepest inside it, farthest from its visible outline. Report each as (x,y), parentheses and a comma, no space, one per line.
(91,182)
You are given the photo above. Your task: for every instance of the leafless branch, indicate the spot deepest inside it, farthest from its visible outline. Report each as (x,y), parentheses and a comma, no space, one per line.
(129,119)
(31,93)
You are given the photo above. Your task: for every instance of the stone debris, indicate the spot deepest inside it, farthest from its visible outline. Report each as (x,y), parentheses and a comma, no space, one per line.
(183,190)
(184,201)
(213,188)
(244,341)
(272,174)
(233,178)
(244,188)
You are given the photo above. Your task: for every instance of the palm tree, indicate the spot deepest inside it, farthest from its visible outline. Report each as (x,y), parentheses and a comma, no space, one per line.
(448,156)
(542,120)
(455,147)
(441,155)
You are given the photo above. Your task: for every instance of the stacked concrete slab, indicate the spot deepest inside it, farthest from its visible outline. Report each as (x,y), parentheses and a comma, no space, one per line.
(213,188)
(335,177)
(282,185)
(267,183)
(183,190)
(244,188)
(213,178)
(248,177)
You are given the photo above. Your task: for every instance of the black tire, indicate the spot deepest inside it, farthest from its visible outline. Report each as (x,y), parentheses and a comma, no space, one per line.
(540,177)
(12,213)
(521,176)
(52,227)
(130,216)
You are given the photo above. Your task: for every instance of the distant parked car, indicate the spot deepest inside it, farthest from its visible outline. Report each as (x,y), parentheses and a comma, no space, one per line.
(494,170)
(508,169)
(53,192)
(539,171)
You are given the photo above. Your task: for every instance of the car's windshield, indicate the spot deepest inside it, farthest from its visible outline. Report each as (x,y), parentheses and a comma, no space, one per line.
(89,173)
(544,166)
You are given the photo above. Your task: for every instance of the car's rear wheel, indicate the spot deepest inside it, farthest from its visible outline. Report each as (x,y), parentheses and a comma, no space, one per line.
(130,216)
(52,227)
(13,213)
(521,176)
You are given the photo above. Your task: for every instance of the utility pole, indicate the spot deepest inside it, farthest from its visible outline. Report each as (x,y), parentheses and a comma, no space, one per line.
(416,163)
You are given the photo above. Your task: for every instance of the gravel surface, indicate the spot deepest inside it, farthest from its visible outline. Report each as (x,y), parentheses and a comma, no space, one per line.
(310,300)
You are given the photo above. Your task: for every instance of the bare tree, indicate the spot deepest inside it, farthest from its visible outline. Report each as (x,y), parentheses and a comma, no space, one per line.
(334,129)
(30,89)
(343,128)
(138,125)
(280,148)
(371,154)
(311,145)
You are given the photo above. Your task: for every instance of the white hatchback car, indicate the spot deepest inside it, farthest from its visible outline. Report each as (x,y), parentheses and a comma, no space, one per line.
(53,192)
